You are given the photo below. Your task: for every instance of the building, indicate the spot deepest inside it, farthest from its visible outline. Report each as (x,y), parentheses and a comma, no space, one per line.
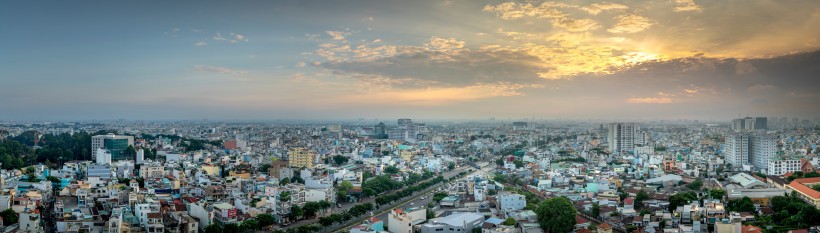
(114,144)
(511,202)
(458,222)
(402,221)
(803,188)
(737,150)
(520,125)
(779,166)
(755,149)
(764,147)
(301,157)
(750,123)
(622,137)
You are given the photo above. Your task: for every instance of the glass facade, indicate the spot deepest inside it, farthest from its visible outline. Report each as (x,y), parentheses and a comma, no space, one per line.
(117,148)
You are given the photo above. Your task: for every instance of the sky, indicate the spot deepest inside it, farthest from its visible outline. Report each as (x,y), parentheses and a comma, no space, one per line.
(163,60)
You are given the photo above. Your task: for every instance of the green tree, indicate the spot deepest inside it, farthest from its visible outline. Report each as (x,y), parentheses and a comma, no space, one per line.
(556,215)
(509,222)
(265,220)
(391,170)
(284,196)
(296,212)
(477,230)
(642,196)
(695,185)
(680,199)
(249,225)
(9,217)
(717,193)
(213,228)
(745,204)
(596,209)
(130,152)
(451,166)
(339,159)
(231,227)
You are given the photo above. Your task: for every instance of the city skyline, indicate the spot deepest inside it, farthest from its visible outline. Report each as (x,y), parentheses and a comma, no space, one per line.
(681,59)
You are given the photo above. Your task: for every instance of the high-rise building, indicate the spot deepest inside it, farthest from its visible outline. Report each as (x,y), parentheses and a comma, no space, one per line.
(622,137)
(764,147)
(405,123)
(114,144)
(748,148)
(737,150)
(301,157)
(380,131)
(750,123)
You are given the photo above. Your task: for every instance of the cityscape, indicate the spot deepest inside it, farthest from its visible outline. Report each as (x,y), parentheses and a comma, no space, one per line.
(430,116)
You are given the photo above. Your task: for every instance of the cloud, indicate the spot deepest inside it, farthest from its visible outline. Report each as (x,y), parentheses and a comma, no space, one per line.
(219,70)
(337,35)
(630,23)
(650,100)
(219,37)
(514,10)
(200,43)
(596,8)
(686,5)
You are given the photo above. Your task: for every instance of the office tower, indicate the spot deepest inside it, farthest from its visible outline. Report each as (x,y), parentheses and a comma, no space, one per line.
(747,148)
(405,123)
(761,123)
(380,131)
(750,123)
(520,125)
(622,137)
(114,144)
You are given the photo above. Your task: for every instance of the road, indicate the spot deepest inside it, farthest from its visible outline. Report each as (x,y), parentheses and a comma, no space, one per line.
(347,206)
(416,200)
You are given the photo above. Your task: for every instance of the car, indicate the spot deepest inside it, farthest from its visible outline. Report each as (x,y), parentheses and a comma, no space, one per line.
(422,198)
(412,203)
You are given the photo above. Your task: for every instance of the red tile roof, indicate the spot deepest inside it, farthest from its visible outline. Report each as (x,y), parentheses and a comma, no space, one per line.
(804,189)
(580,220)
(808,180)
(750,229)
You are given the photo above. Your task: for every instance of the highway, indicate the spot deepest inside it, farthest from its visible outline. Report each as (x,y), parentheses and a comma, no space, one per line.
(417,201)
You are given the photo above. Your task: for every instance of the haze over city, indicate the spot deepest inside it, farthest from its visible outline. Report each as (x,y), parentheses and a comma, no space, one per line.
(64,60)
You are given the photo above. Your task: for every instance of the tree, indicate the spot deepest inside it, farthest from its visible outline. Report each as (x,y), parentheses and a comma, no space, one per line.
(695,185)
(339,159)
(213,228)
(284,196)
(477,230)
(717,193)
(284,181)
(451,166)
(130,152)
(642,196)
(596,210)
(745,204)
(231,227)
(391,170)
(296,212)
(9,217)
(249,225)
(264,168)
(509,222)
(556,215)
(680,199)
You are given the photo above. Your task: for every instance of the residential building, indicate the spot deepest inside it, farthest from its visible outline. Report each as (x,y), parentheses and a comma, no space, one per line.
(301,157)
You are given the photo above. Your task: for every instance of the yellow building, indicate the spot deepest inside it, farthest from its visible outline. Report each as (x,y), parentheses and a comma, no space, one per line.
(301,157)
(406,155)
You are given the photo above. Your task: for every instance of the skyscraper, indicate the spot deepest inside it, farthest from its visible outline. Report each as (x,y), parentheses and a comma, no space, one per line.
(750,123)
(114,144)
(622,137)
